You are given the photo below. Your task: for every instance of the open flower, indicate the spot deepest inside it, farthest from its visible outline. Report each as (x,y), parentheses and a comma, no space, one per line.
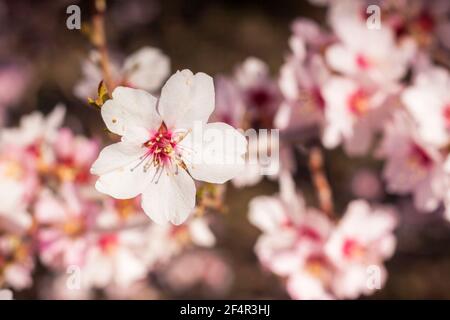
(64,220)
(165,144)
(368,54)
(353,114)
(363,238)
(412,166)
(292,241)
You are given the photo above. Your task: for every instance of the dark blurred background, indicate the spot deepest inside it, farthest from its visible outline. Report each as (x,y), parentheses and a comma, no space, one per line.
(213,37)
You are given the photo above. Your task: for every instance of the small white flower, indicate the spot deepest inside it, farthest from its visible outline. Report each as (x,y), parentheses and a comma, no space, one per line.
(165,144)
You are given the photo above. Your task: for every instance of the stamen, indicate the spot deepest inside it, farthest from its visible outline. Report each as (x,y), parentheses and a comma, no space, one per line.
(142,158)
(163,152)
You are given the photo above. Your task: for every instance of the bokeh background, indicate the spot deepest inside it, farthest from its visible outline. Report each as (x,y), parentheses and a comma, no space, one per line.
(210,36)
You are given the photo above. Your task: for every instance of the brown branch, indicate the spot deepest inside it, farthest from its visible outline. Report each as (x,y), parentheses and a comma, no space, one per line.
(99,41)
(320,181)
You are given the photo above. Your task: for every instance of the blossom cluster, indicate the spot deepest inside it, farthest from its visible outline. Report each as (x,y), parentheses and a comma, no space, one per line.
(380,92)
(52,216)
(320,258)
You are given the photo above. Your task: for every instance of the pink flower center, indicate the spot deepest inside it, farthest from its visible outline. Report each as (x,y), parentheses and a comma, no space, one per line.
(419,157)
(317,266)
(161,146)
(108,242)
(310,234)
(259,97)
(352,249)
(446,115)
(362,62)
(358,102)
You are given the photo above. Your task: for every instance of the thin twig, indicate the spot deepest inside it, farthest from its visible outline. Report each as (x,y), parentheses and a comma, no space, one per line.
(320,181)
(99,41)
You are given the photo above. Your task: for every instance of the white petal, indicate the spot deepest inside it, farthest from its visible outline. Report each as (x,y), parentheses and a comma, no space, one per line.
(126,182)
(128,268)
(201,234)
(214,152)
(186,98)
(340,59)
(130,108)
(267,213)
(147,68)
(115,156)
(171,199)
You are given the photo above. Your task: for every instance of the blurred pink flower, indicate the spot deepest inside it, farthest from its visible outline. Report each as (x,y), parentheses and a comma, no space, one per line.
(16,260)
(206,269)
(64,220)
(116,259)
(321,260)
(354,112)
(260,93)
(364,53)
(145,69)
(292,242)
(74,156)
(363,238)
(164,149)
(35,131)
(302,77)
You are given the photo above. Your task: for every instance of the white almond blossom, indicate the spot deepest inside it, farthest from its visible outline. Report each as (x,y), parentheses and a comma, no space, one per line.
(165,145)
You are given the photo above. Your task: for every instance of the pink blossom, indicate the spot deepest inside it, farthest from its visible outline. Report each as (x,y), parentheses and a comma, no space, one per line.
(354,112)
(64,220)
(206,269)
(363,238)
(16,261)
(19,181)
(302,77)
(35,131)
(74,156)
(115,258)
(361,52)
(428,101)
(259,91)
(412,166)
